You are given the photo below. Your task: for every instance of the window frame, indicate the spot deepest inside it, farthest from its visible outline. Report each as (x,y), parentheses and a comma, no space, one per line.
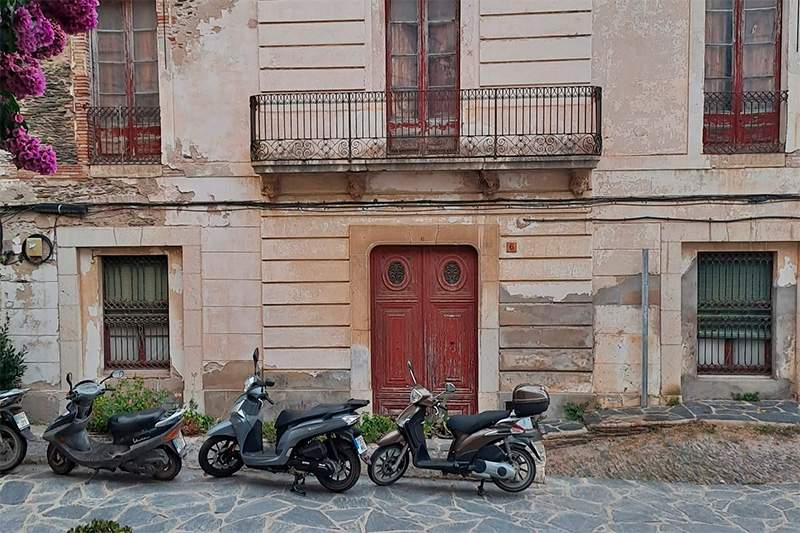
(129,133)
(422,133)
(732,309)
(738,120)
(141,362)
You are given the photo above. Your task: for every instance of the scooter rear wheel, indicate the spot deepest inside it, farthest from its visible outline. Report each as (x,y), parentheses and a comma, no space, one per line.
(13,448)
(348,467)
(173,468)
(220,457)
(525,466)
(59,463)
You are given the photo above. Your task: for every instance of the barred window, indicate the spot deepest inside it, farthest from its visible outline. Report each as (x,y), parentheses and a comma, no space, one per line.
(136,311)
(734,313)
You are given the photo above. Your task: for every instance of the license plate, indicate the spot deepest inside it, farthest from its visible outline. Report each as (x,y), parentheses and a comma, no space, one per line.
(179,442)
(22,421)
(361,446)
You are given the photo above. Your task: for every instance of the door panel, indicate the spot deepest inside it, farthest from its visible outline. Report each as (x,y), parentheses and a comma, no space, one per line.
(424,310)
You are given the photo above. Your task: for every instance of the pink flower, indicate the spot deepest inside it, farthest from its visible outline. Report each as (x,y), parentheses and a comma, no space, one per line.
(74,16)
(56,47)
(21,75)
(32,29)
(29,154)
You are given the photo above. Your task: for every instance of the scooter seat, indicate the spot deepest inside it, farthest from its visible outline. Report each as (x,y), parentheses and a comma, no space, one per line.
(468,424)
(123,423)
(288,417)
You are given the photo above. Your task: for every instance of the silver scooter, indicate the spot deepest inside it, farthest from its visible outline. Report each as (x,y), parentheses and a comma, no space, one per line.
(323,441)
(144,442)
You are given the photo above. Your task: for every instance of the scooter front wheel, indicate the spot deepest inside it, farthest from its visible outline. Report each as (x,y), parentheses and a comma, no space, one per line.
(59,463)
(387,465)
(220,457)
(13,448)
(173,466)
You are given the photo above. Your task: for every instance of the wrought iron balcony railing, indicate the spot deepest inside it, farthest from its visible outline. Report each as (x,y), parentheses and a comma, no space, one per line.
(744,122)
(125,135)
(471,123)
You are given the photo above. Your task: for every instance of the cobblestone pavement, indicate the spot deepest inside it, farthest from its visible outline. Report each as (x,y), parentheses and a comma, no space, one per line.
(33,499)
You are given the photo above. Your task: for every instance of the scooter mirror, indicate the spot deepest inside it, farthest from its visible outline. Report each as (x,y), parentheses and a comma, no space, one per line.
(255,355)
(69,380)
(449,387)
(117,374)
(411,370)
(409,366)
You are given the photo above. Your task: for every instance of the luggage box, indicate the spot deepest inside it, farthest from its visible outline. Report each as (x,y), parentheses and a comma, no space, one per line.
(529,400)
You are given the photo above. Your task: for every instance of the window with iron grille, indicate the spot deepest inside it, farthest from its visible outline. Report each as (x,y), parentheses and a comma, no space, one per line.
(734,313)
(136,311)
(125,118)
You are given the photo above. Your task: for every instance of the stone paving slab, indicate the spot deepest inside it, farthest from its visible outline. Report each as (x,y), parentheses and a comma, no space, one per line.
(33,499)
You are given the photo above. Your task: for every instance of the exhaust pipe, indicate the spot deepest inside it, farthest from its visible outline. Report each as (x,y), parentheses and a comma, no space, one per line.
(489,469)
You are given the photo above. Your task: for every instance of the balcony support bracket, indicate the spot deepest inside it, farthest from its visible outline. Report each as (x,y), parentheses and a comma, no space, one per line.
(580,181)
(489,183)
(270,186)
(356,186)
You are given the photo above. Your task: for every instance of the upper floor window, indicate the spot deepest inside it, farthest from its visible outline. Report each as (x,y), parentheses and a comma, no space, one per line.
(422,42)
(125,115)
(743,99)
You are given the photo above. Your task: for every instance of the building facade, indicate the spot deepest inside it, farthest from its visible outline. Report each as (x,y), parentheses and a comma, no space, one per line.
(469,185)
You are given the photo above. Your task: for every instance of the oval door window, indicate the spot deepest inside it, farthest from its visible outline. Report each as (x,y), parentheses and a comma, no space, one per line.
(396,274)
(452,273)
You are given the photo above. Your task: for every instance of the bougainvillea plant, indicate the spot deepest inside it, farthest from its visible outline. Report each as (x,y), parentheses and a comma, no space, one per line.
(30,31)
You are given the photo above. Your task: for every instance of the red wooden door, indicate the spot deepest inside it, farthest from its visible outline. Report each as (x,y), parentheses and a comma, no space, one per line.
(424,310)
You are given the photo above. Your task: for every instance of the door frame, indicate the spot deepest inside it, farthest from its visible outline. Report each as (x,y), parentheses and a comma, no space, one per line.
(484,238)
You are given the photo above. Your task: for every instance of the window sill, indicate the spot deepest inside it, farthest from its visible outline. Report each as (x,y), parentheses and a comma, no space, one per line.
(126,171)
(747,160)
(147,373)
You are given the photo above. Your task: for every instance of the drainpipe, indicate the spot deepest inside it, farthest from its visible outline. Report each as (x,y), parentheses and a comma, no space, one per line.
(645,321)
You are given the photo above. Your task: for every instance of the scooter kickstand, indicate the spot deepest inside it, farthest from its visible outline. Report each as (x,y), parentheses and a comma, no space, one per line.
(481,491)
(94,474)
(299,480)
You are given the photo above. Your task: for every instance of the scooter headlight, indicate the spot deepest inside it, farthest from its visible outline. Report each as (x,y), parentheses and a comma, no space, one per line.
(249,383)
(416,394)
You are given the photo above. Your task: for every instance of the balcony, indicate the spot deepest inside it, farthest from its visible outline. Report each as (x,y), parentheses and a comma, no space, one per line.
(744,122)
(531,127)
(125,135)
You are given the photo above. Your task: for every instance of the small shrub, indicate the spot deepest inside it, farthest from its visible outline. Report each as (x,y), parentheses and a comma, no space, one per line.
(194,422)
(268,431)
(12,361)
(375,426)
(575,411)
(101,526)
(130,395)
(745,396)
(674,401)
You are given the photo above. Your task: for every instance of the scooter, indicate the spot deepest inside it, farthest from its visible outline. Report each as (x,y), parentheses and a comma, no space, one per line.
(144,442)
(323,441)
(14,430)
(489,446)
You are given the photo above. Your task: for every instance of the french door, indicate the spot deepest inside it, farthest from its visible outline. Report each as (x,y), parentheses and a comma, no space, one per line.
(422,75)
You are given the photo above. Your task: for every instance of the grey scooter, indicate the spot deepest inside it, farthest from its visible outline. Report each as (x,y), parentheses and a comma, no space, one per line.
(14,430)
(144,442)
(323,441)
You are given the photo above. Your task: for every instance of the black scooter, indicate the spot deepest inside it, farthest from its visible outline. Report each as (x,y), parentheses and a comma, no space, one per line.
(323,441)
(144,442)
(14,430)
